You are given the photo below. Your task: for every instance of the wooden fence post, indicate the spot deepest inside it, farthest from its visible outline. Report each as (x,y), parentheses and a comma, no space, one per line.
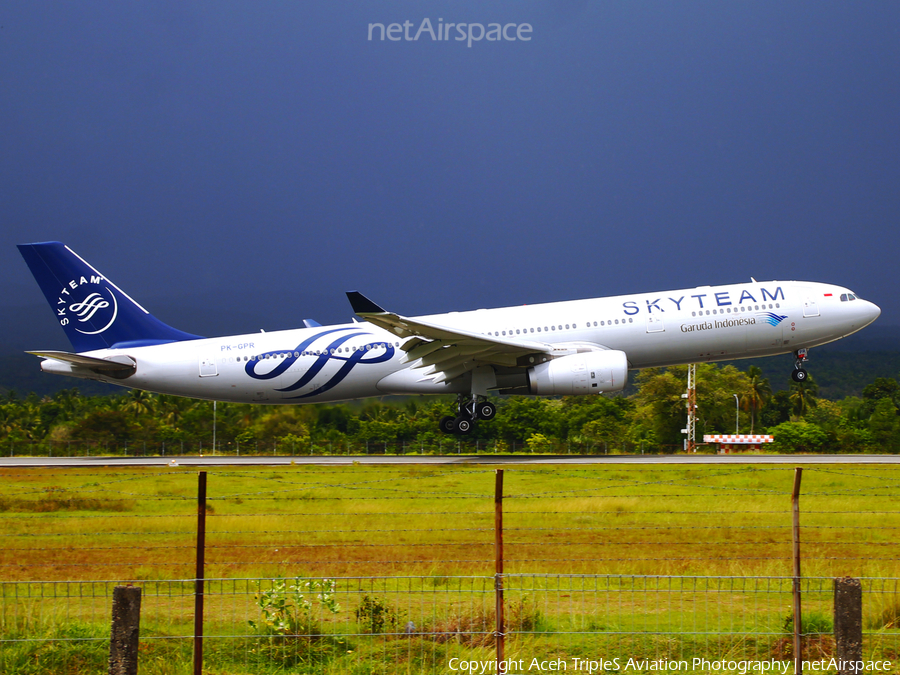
(500,629)
(795,530)
(126,624)
(200,573)
(848,624)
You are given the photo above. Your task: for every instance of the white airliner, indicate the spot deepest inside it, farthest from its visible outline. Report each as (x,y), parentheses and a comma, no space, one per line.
(553,349)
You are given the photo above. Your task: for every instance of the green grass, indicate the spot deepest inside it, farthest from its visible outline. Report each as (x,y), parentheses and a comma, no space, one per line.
(420,540)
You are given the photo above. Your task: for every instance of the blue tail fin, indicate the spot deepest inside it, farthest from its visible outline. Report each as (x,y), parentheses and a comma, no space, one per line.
(93,311)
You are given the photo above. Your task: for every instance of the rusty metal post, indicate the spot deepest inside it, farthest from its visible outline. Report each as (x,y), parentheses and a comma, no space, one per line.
(199,576)
(500,630)
(798,620)
(126,625)
(848,624)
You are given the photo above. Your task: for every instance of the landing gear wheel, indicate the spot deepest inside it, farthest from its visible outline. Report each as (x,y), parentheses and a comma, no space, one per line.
(447,425)
(799,375)
(463,424)
(486,410)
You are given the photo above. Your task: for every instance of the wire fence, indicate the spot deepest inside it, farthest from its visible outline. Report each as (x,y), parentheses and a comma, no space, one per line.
(427,620)
(664,563)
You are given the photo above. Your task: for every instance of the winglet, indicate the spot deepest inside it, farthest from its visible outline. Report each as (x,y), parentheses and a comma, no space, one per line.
(362,305)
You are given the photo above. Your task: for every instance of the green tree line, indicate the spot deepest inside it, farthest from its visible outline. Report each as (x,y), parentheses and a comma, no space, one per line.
(649,420)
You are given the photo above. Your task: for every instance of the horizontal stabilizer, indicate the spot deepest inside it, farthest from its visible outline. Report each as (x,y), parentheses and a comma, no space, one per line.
(115,366)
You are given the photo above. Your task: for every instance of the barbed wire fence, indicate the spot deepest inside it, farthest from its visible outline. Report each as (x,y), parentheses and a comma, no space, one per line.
(400,565)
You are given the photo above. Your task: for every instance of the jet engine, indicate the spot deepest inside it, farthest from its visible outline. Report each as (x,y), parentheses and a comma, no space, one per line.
(587,373)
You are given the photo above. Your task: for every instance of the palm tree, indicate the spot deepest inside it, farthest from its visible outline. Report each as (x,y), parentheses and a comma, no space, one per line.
(759,391)
(139,402)
(803,396)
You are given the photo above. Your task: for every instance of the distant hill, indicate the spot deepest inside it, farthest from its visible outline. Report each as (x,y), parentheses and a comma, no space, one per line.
(842,368)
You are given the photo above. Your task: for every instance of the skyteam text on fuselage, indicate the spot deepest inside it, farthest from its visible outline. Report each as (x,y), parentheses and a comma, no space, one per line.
(553,349)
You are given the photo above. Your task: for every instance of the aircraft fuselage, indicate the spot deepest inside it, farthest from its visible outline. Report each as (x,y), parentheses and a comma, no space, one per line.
(358,360)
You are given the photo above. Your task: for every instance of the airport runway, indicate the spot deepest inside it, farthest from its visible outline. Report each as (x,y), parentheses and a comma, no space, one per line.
(375,460)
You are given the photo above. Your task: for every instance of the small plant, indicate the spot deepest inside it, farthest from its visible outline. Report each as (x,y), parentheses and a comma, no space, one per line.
(289,610)
(814,623)
(816,640)
(375,615)
(290,629)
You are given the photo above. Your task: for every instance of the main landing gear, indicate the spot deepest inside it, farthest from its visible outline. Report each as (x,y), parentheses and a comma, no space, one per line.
(469,409)
(800,374)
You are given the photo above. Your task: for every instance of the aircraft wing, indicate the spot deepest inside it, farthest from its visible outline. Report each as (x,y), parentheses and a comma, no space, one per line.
(446,353)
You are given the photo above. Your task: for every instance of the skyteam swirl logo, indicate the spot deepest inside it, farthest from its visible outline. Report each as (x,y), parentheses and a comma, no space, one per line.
(771,318)
(87,305)
(86,310)
(334,351)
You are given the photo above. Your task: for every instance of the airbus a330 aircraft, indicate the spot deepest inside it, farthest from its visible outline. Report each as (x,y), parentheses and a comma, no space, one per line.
(553,349)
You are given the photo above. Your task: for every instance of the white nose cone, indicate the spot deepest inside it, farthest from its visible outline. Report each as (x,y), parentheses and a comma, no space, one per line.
(871,312)
(861,314)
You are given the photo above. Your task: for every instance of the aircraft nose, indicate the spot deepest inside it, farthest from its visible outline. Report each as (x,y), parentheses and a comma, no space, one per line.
(872,312)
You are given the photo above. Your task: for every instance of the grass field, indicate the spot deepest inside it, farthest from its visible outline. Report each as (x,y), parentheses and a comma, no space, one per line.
(602,560)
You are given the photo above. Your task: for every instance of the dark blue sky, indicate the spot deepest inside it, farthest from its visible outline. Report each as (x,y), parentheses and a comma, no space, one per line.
(238,165)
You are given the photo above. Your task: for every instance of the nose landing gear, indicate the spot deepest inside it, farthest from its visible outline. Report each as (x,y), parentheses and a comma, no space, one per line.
(469,409)
(800,374)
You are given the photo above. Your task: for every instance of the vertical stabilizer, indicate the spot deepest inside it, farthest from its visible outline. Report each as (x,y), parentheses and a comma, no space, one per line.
(93,311)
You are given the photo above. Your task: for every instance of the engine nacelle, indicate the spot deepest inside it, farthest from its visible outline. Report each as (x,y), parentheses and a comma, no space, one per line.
(588,373)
